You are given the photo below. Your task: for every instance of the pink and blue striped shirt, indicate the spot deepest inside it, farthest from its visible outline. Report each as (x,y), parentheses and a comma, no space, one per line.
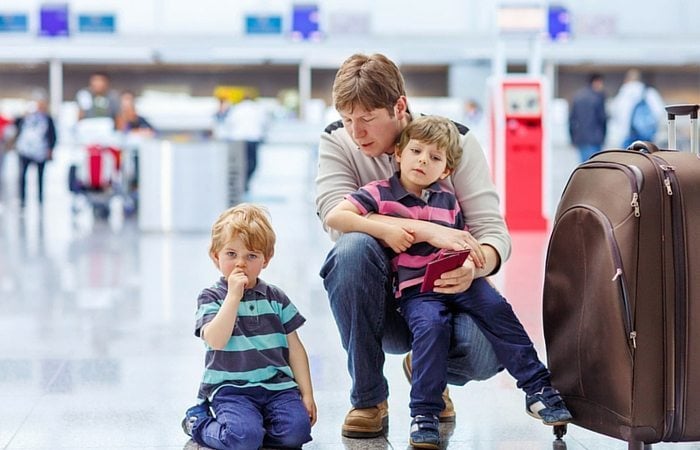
(437,205)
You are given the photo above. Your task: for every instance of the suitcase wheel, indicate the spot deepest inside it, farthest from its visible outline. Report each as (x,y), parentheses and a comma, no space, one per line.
(559,431)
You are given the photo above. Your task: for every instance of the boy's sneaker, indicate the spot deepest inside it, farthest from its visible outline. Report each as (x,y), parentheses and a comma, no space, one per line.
(548,406)
(193,416)
(425,432)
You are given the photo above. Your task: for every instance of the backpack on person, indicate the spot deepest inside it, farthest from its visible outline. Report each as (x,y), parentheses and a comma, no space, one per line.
(643,121)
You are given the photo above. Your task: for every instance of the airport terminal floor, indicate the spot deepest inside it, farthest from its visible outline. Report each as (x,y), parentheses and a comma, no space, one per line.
(97,322)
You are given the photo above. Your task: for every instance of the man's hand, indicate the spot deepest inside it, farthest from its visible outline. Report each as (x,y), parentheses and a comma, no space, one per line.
(452,239)
(457,280)
(398,238)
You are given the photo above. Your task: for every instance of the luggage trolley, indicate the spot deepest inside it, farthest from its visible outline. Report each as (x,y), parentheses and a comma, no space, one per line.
(98,170)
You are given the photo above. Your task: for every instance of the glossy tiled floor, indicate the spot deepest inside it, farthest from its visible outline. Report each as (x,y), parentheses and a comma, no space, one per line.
(96,318)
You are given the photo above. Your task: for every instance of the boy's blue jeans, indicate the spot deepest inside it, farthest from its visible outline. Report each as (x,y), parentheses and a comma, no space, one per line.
(428,317)
(357,278)
(248,418)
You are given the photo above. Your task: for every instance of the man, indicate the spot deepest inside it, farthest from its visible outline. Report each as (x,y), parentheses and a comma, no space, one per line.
(97,100)
(587,118)
(370,96)
(632,91)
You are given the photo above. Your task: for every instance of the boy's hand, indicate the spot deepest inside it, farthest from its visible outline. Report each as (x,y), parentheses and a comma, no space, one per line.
(237,282)
(398,239)
(310,406)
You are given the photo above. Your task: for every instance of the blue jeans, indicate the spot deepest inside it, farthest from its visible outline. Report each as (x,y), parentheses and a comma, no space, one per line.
(586,151)
(248,418)
(428,316)
(357,278)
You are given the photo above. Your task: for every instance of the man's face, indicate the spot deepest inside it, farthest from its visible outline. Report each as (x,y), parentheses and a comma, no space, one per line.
(375,132)
(99,84)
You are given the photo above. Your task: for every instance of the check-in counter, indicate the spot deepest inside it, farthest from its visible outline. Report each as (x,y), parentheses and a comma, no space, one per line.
(184,186)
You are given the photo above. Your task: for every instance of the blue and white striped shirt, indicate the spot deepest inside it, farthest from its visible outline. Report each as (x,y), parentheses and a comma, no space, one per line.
(257,354)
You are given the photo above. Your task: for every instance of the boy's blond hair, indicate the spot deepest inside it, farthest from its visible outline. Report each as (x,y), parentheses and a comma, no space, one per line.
(434,130)
(251,223)
(368,81)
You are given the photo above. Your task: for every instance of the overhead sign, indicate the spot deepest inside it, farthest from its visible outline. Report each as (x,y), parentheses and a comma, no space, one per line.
(53,20)
(259,24)
(521,19)
(559,23)
(305,22)
(13,23)
(97,23)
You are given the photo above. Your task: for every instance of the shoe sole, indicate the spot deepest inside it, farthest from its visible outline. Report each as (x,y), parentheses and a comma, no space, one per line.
(442,418)
(551,424)
(363,433)
(184,427)
(423,445)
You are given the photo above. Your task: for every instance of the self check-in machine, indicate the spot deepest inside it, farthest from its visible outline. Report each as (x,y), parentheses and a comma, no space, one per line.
(518,156)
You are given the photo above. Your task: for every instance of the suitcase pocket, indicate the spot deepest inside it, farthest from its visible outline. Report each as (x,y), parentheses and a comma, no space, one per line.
(588,311)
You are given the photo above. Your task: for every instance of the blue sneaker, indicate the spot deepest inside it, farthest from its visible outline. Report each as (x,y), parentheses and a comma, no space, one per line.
(425,432)
(194,416)
(548,406)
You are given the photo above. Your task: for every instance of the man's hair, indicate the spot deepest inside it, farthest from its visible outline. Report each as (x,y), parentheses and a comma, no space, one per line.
(592,78)
(250,223)
(434,130)
(633,75)
(368,81)
(100,73)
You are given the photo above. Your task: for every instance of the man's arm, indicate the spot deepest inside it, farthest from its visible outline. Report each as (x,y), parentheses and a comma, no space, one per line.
(438,236)
(342,170)
(478,198)
(345,217)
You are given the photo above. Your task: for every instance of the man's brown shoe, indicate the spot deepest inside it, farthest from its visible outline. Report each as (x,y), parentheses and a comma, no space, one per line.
(446,415)
(367,422)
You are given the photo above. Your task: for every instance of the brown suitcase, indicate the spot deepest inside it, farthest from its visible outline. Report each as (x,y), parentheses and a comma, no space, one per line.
(621,300)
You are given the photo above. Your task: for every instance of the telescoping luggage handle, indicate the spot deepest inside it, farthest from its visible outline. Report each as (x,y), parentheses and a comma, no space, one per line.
(683,110)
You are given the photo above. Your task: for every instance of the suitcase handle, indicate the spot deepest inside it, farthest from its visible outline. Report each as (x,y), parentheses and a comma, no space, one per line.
(682,110)
(643,146)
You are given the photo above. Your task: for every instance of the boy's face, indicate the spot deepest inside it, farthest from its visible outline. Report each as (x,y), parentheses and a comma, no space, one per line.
(234,256)
(375,131)
(421,165)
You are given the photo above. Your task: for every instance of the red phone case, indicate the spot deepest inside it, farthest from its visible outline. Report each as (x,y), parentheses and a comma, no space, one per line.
(448,261)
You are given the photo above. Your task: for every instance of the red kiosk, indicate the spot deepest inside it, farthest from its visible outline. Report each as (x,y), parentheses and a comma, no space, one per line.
(518,157)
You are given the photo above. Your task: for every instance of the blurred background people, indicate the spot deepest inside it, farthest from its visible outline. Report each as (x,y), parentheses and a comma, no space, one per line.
(134,128)
(473,118)
(219,130)
(128,121)
(627,100)
(247,122)
(98,99)
(587,118)
(7,132)
(36,138)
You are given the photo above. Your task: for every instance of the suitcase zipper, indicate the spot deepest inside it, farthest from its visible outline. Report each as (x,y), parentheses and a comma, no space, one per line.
(680,294)
(633,173)
(619,275)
